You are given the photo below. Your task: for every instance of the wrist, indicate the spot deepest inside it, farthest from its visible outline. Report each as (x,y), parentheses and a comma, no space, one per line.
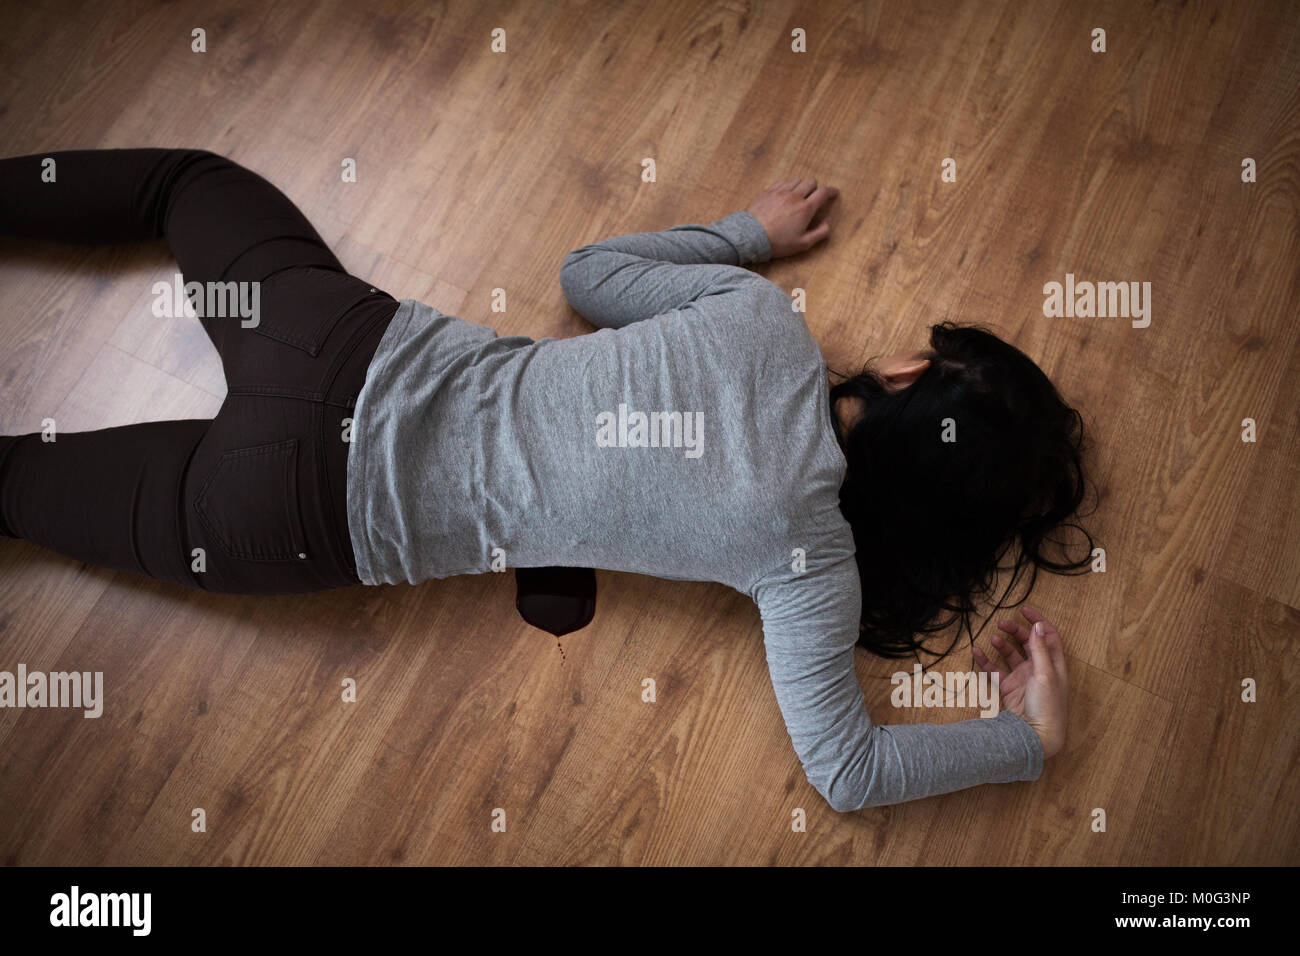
(751,237)
(1051,742)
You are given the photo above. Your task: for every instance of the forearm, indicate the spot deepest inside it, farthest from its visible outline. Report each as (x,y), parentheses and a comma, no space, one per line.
(851,761)
(629,278)
(912,761)
(734,240)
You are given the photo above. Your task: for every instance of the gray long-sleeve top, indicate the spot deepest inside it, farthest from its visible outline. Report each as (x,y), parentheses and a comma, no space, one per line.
(468,447)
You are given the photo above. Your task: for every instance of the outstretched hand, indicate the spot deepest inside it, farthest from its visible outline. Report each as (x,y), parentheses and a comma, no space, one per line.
(786,211)
(1034,687)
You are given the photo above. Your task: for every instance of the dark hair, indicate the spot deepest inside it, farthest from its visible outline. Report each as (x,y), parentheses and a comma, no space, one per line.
(934,519)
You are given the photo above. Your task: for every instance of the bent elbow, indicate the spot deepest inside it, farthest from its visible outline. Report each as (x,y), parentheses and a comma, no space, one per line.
(842,806)
(845,797)
(573,281)
(571,275)
(841,800)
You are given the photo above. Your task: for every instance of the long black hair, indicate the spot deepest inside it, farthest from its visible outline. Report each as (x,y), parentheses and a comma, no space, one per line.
(979,456)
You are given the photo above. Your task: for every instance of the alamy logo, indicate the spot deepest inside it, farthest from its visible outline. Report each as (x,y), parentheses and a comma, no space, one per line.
(55,689)
(654,430)
(222,300)
(102,909)
(1086,300)
(952,689)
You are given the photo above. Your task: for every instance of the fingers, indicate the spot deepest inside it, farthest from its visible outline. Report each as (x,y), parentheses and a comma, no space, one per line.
(1039,652)
(816,234)
(1031,613)
(819,197)
(1051,641)
(1051,638)
(806,189)
(1015,629)
(987,666)
(1009,651)
(788,210)
(1041,642)
(1018,630)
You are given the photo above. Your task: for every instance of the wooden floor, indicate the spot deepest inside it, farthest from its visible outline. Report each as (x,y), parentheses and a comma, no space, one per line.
(479,170)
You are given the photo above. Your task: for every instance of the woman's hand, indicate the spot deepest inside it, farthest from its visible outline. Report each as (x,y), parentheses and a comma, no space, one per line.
(786,211)
(1033,687)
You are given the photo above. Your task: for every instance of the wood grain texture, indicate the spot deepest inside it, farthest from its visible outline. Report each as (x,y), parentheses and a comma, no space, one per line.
(479,171)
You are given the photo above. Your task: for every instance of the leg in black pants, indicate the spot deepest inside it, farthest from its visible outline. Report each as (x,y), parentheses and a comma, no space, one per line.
(254,500)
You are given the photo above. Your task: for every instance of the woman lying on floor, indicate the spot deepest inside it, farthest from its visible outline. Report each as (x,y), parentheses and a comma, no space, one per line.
(695,436)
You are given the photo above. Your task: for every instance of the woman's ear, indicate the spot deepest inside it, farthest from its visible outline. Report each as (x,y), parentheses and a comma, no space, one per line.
(903,372)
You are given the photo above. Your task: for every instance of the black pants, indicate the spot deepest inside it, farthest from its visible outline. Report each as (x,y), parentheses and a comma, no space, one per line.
(254,500)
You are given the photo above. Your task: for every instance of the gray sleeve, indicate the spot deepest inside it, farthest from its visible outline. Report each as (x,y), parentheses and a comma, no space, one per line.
(631,278)
(810,625)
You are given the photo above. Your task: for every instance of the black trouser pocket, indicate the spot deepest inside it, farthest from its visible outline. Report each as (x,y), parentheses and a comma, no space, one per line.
(300,307)
(249,503)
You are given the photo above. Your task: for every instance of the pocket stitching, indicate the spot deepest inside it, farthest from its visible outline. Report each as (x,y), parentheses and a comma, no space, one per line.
(291,506)
(313,346)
